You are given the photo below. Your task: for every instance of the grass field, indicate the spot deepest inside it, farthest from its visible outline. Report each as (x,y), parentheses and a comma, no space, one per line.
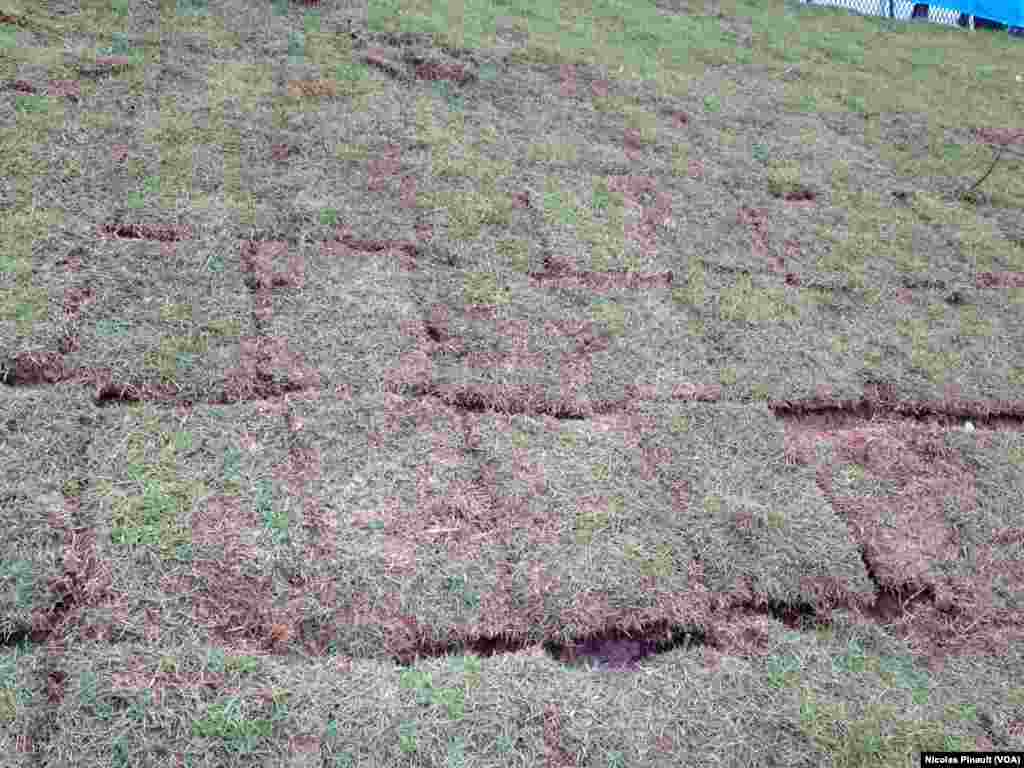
(508,384)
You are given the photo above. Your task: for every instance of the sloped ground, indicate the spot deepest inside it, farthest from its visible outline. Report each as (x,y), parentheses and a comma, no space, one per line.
(460,387)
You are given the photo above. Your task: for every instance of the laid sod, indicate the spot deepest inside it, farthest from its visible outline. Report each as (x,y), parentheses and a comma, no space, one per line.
(519,384)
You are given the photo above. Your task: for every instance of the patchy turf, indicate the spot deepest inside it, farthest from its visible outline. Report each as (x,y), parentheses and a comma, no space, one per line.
(602,385)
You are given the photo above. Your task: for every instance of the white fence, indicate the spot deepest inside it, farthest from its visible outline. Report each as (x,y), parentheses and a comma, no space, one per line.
(891,8)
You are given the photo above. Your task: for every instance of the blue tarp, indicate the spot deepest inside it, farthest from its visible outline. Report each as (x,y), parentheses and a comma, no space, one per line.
(1009,12)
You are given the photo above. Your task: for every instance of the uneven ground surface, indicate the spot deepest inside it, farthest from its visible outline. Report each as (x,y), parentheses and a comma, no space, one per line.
(607,384)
